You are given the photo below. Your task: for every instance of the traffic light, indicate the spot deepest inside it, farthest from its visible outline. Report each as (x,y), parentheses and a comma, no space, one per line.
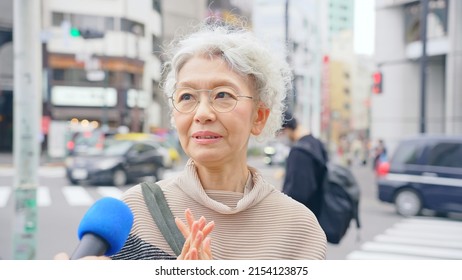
(74,32)
(86,33)
(377,79)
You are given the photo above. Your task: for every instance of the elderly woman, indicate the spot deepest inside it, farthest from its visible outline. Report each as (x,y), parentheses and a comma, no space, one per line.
(224,86)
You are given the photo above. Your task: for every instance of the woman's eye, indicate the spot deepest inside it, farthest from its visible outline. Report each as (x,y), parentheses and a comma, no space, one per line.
(186,97)
(223,94)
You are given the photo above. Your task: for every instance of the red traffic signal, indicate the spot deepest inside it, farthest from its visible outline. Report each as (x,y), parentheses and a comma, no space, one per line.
(377,79)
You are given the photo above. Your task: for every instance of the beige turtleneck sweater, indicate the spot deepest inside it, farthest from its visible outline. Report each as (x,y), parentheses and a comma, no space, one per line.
(261,223)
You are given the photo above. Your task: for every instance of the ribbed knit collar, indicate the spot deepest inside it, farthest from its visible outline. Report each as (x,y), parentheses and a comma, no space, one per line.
(255,191)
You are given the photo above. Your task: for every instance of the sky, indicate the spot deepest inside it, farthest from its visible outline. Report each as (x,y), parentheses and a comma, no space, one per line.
(364,26)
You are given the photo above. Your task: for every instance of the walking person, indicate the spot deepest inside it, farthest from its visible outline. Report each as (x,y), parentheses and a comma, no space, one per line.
(380,154)
(305,172)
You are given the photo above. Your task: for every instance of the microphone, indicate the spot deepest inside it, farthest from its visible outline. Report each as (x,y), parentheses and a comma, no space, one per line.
(104,228)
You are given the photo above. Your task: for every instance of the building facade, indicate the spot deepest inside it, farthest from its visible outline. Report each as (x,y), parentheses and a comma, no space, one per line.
(396,111)
(101,66)
(101,59)
(291,29)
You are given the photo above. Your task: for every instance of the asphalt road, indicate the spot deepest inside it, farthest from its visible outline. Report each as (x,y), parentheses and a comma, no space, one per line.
(383,234)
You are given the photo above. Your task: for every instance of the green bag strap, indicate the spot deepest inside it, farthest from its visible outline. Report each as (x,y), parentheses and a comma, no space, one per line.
(163,217)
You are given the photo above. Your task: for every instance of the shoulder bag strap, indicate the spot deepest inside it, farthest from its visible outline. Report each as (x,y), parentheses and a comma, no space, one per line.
(163,217)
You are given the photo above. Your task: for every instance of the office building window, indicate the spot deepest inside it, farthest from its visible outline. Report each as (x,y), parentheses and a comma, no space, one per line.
(131,26)
(436,20)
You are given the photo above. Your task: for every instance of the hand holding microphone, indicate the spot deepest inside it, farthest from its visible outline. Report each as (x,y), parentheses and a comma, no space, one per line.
(103,230)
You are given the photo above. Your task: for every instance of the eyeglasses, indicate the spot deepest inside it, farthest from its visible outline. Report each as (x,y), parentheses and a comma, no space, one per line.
(223,99)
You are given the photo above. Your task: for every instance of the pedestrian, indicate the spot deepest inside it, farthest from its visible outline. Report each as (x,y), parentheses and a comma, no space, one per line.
(305,172)
(380,154)
(224,86)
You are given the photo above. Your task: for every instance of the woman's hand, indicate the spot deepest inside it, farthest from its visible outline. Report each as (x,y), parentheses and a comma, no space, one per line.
(197,245)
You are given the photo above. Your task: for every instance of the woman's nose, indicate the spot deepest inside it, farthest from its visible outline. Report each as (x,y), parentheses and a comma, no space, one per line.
(204,110)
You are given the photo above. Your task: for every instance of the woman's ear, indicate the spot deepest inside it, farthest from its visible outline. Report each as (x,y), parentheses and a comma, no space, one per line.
(259,122)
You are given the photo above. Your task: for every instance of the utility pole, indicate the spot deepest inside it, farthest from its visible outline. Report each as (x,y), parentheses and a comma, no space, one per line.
(286,20)
(27,104)
(423,64)
(291,100)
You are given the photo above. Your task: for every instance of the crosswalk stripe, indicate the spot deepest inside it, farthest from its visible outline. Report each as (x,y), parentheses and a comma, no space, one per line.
(109,191)
(432,222)
(363,255)
(425,226)
(43,196)
(43,171)
(431,252)
(419,241)
(5,192)
(77,196)
(415,238)
(422,234)
(6,172)
(74,195)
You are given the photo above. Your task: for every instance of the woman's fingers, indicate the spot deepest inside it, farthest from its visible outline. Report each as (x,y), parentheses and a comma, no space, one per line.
(197,244)
(206,253)
(208,228)
(182,227)
(189,217)
(192,255)
(198,241)
(185,249)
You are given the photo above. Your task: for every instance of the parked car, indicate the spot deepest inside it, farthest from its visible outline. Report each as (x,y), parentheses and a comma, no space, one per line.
(119,162)
(87,141)
(171,153)
(425,172)
(276,153)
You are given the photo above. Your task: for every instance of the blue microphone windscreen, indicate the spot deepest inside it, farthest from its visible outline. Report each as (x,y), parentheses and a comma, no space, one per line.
(109,218)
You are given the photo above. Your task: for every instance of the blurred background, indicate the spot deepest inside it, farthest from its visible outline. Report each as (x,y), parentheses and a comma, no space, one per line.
(356,65)
(363,70)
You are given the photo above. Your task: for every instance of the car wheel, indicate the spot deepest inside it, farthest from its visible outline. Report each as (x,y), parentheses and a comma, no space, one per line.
(408,203)
(119,178)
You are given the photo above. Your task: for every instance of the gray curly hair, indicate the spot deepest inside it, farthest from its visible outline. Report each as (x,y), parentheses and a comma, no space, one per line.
(246,55)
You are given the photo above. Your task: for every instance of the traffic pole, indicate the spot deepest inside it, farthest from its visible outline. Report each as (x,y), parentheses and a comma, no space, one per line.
(423,66)
(27,116)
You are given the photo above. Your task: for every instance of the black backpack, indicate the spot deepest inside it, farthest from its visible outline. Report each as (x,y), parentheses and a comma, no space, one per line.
(340,203)
(340,199)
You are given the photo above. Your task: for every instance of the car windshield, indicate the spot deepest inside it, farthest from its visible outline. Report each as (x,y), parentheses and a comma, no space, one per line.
(116,148)
(407,153)
(88,142)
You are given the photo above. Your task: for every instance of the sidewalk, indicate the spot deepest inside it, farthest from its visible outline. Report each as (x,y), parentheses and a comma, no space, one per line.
(6,160)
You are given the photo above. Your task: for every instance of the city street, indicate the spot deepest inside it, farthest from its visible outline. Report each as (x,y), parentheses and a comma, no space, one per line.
(383,235)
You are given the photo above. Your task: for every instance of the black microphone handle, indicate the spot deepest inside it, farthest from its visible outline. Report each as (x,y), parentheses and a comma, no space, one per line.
(90,245)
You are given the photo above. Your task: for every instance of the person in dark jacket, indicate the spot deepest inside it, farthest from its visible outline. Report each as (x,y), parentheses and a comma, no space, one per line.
(304,171)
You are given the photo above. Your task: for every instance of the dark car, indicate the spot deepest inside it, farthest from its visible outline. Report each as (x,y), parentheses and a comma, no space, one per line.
(425,172)
(119,162)
(89,141)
